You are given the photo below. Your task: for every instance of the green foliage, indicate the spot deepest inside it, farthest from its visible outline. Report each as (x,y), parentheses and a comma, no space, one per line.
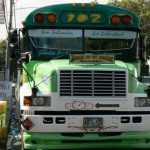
(142,9)
(3,44)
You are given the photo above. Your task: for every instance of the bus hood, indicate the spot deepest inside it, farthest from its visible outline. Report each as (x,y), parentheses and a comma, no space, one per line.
(56,65)
(47,73)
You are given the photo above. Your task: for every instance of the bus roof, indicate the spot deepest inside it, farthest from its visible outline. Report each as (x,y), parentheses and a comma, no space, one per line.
(85,15)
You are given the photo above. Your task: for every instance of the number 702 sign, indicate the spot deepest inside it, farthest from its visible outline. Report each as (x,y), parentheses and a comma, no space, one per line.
(83,17)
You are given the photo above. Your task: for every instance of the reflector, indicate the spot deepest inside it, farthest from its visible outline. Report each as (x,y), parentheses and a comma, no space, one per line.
(27,124)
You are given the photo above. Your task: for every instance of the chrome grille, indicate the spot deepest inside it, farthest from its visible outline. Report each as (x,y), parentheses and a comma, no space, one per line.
(93,83)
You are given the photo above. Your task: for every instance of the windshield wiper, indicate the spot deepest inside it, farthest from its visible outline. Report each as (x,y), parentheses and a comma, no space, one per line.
(59,56)
(92,50)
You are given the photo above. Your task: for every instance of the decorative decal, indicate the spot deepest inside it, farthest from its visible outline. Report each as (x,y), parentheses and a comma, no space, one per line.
(45,78)
(91,129)
(79,105)
(83,17)
(91,58)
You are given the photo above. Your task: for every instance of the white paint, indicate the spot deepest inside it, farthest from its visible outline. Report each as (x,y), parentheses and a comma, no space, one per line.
(111,123)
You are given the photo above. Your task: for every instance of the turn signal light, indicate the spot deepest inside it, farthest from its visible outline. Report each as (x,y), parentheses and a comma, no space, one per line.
(115,19)
(52,18)
(83,4)
(39,18)
(27,101)
(127,19)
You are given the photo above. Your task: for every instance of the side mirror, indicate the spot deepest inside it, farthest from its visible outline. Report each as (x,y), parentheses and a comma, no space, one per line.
(13,43)
(25,57)
(146,80)
(146,41)
(13,50)
(13,36)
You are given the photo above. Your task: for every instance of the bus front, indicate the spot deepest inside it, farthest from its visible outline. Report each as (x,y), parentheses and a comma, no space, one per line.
(86,62)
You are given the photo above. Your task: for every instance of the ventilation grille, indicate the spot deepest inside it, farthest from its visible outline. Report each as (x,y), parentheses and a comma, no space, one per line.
(93,83)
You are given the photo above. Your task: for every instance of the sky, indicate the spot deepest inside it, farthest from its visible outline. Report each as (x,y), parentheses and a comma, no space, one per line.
(24,7)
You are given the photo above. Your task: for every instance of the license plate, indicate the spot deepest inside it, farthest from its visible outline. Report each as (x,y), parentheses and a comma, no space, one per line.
(93,122)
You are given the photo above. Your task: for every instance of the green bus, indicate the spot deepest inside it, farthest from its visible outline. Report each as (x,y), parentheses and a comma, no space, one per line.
(85,79)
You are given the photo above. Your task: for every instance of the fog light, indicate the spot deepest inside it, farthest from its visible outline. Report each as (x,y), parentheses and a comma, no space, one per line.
(142,102)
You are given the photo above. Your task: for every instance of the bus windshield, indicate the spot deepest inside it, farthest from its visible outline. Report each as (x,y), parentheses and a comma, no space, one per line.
(50,43)
(57,43)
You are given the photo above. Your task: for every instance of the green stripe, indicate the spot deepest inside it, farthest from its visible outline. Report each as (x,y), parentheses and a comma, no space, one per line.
(89,140)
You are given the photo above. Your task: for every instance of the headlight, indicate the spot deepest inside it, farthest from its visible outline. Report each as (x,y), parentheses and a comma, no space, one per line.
(38,101)
(142,102)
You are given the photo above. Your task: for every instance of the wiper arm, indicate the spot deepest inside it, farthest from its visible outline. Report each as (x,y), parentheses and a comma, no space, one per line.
(102,50)
(59,56)
(92,50)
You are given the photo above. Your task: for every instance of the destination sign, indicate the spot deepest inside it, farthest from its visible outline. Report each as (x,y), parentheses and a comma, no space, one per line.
(110,34)
(91,58)
(56,33)
(83,17)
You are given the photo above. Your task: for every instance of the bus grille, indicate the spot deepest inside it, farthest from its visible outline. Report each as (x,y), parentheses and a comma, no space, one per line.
(93,83)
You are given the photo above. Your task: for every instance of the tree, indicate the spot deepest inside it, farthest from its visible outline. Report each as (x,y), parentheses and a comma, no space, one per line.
(3,44)
(142,9)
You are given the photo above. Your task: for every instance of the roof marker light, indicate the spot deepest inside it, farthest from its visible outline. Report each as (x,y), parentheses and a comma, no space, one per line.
(27,124)
(115,19)
(127,19)
(83,4)
(52,18)
(92,4)
(74,4)
(39,18)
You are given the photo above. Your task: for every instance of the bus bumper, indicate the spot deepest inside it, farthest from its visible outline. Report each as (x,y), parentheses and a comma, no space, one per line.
(33,140)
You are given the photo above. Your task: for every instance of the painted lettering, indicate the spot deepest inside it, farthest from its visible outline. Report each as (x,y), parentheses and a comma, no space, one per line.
(60,32)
